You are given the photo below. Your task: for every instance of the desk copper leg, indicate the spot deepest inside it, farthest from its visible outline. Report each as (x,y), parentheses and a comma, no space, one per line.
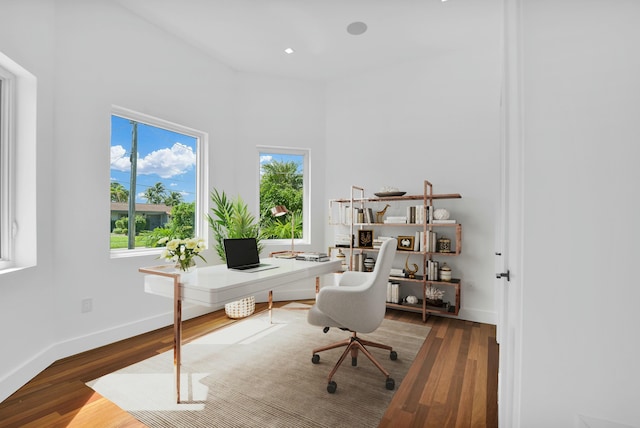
(317,285)
(177,333)
(270,306)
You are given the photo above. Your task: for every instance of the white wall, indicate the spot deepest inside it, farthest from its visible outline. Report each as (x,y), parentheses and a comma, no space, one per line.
(88,56)
(581,92)
(282,113)
(26,36)
(435,119)
(118,59)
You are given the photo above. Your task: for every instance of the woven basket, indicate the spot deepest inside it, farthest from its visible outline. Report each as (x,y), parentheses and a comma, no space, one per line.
(241,308)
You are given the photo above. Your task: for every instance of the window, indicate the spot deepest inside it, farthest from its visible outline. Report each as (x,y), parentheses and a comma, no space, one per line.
(5,168)
(284,181)
(157,180)
(18,95)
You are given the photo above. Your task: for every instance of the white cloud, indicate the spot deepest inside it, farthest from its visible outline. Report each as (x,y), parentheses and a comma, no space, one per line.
(119,159)
(265,159)
(166,163)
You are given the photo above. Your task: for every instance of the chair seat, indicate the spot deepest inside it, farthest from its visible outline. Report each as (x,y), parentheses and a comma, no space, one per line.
(320,319)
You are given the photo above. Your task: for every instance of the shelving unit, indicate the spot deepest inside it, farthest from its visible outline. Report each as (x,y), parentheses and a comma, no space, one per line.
(342,213)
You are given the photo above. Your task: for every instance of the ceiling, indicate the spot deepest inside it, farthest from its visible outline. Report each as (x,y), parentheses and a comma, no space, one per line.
(251,35)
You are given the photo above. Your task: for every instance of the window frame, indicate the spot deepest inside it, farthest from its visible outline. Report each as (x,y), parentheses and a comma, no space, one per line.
(202,173)
(306,194)
(18,187)
(7,105)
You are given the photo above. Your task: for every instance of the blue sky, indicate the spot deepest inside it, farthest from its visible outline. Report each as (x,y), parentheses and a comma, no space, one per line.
(266,157)
(163,156)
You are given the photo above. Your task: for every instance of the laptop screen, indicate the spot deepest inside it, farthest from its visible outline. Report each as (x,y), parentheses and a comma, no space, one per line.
(241,252)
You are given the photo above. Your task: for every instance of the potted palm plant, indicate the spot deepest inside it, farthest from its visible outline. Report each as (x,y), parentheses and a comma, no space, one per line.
(231,218)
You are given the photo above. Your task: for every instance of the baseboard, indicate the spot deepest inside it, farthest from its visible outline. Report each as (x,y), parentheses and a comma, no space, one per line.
(33,366)
(27,371)
(478,315)
(583,421)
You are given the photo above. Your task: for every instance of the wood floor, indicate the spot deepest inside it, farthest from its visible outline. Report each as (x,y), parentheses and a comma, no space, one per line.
(453,381)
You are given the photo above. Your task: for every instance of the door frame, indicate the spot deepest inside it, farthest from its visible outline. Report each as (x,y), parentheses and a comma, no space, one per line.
(511,219)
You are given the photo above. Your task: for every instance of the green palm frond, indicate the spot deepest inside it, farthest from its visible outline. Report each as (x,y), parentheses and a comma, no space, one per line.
(231,219)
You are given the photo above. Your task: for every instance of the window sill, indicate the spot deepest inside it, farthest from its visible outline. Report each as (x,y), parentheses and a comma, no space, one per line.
(125,253)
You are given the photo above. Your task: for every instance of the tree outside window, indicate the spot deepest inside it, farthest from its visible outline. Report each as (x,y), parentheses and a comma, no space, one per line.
(154,173)
(282,180)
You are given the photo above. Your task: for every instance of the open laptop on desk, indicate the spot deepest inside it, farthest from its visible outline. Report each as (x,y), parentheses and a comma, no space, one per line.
(242,255)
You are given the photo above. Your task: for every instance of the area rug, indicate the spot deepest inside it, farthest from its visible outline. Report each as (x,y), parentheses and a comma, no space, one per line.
(257,374)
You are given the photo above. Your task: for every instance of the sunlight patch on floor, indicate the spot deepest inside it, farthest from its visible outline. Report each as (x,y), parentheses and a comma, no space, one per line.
(140,388)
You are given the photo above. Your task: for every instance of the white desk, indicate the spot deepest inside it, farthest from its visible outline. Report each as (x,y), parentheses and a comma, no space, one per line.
(217,285)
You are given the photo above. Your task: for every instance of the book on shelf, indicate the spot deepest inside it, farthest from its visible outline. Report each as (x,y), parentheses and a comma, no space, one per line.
(397,272)
(447,221)
(411,214)
(377,242)
(432,239)
(419,214)
(396,219)
(343,240)
(313,257)
(432,270)
(430,214)
(358,262)
(368,215)
(393,292)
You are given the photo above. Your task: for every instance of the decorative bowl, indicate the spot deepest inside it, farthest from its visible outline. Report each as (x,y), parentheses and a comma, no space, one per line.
(387,194)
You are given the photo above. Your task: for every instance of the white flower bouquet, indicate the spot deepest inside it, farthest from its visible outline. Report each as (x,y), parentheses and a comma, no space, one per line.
(182,251)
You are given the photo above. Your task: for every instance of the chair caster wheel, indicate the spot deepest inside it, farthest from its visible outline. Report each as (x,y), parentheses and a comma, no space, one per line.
(331,387)
(315,359)
(390,384)
(393,355)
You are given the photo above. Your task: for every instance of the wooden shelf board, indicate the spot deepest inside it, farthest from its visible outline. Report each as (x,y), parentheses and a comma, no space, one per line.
(454,281)
(405,307)
(417,279)
(403,198)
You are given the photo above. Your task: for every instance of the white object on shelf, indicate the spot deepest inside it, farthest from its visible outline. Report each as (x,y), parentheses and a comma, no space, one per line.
(441,214)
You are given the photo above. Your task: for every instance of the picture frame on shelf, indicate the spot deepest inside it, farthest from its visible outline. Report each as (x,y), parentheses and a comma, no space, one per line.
(405,243)
(365,238)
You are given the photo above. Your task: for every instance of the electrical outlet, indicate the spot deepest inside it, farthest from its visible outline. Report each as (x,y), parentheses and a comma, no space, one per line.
(87,305)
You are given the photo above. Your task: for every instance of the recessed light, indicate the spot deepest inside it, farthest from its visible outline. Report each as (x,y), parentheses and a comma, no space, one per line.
(356,28)
(289,51)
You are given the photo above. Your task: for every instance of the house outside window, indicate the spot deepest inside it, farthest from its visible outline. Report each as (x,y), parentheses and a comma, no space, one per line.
(158,177)
(284,182)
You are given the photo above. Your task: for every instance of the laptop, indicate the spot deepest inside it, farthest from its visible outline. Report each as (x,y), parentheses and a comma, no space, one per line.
(242,255)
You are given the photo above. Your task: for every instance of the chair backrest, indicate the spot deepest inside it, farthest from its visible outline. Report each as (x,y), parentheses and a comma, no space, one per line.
(381,272)
(359,301)
(367,315)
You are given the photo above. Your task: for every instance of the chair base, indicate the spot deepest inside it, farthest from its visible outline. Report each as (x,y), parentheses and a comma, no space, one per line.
(352,346)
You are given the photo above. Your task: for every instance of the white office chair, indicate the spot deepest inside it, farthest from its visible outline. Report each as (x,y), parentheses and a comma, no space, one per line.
(356,304)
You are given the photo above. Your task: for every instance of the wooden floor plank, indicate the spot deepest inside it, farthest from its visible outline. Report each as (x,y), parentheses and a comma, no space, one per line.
(452,382)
